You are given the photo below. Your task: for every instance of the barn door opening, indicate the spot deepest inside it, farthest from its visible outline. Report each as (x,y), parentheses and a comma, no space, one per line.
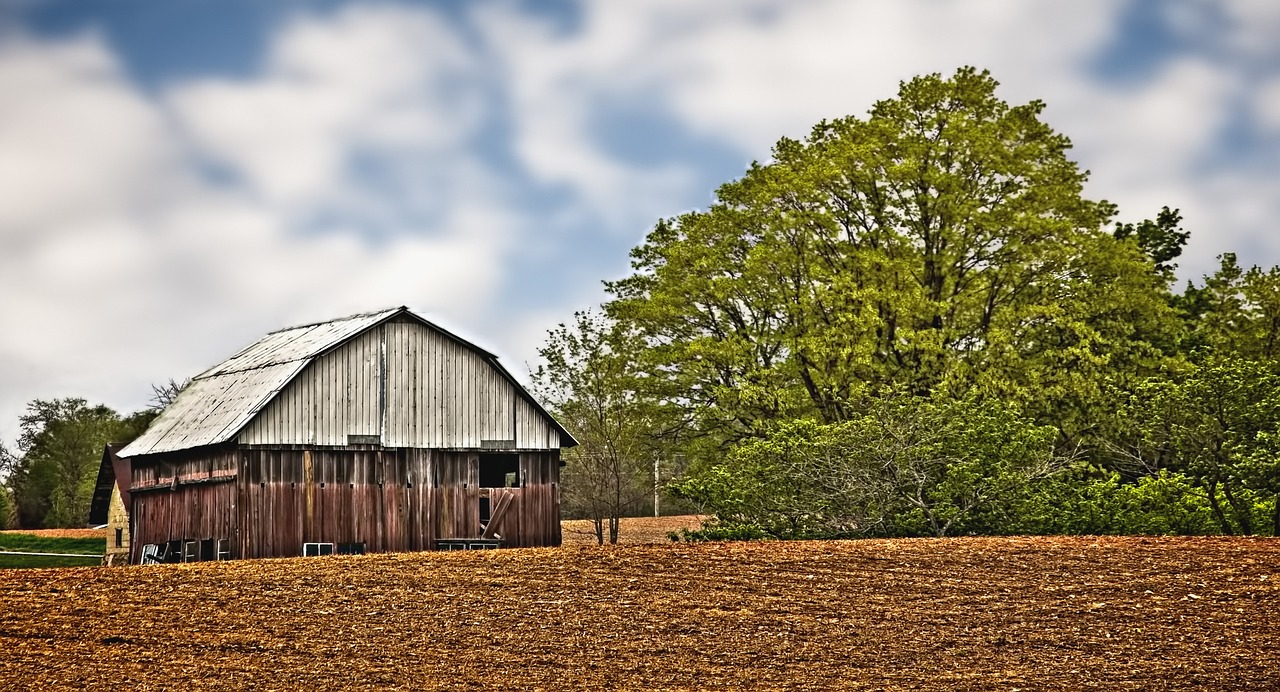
(499,477)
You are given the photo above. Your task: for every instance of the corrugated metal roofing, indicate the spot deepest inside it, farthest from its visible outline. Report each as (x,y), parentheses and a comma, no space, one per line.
(220,401)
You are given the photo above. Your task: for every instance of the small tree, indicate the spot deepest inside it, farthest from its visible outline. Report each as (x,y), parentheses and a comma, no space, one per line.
(162,395)
(8,462)
(6,508)
(588,381)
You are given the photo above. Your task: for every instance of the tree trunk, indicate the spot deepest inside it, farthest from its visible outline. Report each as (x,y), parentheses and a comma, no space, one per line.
(613,530)
(1275,518)
(597,522)
(1243,515)
(1223,522)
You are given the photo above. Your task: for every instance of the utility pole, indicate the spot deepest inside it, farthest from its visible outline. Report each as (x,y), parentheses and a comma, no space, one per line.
(655,486)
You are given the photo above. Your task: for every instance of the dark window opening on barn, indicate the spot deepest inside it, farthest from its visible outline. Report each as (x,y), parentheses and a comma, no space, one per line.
(499,470)
(351,548)
(316,549)
(215,549)
(119,538)
(484,511)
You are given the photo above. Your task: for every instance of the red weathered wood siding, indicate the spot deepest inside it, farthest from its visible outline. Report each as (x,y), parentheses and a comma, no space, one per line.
(534,516)
(269,501)
(183,497)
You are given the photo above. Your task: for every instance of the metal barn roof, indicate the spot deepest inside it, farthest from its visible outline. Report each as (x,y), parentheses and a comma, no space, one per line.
(220,401)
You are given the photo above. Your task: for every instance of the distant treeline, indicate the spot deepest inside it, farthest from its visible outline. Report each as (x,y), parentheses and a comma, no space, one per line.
(47,482)
(49,479)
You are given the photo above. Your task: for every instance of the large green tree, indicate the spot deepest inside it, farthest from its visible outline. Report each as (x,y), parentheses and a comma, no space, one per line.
(940,245)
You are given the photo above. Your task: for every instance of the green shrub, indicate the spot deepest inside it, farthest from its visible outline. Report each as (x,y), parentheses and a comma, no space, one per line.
(1088,501)
(715,531)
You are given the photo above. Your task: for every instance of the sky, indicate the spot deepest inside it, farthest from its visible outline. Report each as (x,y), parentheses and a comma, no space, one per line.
(179,177)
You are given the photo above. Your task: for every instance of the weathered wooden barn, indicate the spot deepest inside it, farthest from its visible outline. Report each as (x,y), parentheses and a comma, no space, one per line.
(377,432)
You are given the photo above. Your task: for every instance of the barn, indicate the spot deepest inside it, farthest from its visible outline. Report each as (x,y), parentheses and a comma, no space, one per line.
(377,432)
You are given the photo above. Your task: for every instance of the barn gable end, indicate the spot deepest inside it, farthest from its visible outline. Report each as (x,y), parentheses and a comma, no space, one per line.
(403,384)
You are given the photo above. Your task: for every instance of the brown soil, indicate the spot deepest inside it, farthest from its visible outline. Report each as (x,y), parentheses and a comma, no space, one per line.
(631,530)
(62,533)
(977,613)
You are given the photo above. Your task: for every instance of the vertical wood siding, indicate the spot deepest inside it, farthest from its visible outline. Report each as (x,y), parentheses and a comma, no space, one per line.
(532,429)
(182,497)
(392,500)
(335,396)
(408,384)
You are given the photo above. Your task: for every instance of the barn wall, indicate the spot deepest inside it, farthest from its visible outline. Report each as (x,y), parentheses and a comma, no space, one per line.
(392,500)
(532,429)
(268,502)
(335,396)
(411,386)
(182,497)
(457,501)
(533,518)
(370,496)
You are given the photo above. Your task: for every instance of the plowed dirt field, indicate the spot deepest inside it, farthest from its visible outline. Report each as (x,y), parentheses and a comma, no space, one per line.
(986,613)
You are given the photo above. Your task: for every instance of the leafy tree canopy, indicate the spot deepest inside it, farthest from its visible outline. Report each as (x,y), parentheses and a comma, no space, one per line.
(938,245)
(59,449)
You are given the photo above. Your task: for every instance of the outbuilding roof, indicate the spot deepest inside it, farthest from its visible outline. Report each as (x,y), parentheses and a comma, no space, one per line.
(220,401)
(113,472)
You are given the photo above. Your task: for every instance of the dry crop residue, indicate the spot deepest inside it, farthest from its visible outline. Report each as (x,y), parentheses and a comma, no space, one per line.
(62,533)
(973,613)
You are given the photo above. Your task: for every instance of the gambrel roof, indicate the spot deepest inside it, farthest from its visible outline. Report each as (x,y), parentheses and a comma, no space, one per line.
(219,402)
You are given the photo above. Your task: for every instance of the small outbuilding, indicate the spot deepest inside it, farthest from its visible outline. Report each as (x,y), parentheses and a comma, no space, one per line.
(110,505)
(377,432)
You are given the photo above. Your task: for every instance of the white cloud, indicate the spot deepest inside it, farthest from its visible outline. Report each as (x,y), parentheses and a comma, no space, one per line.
(557,85)
(750,73)
(1146,145)
(123,263)
(1267,106)
(77,140)
(376,81)
(747,74)
(1252,26)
